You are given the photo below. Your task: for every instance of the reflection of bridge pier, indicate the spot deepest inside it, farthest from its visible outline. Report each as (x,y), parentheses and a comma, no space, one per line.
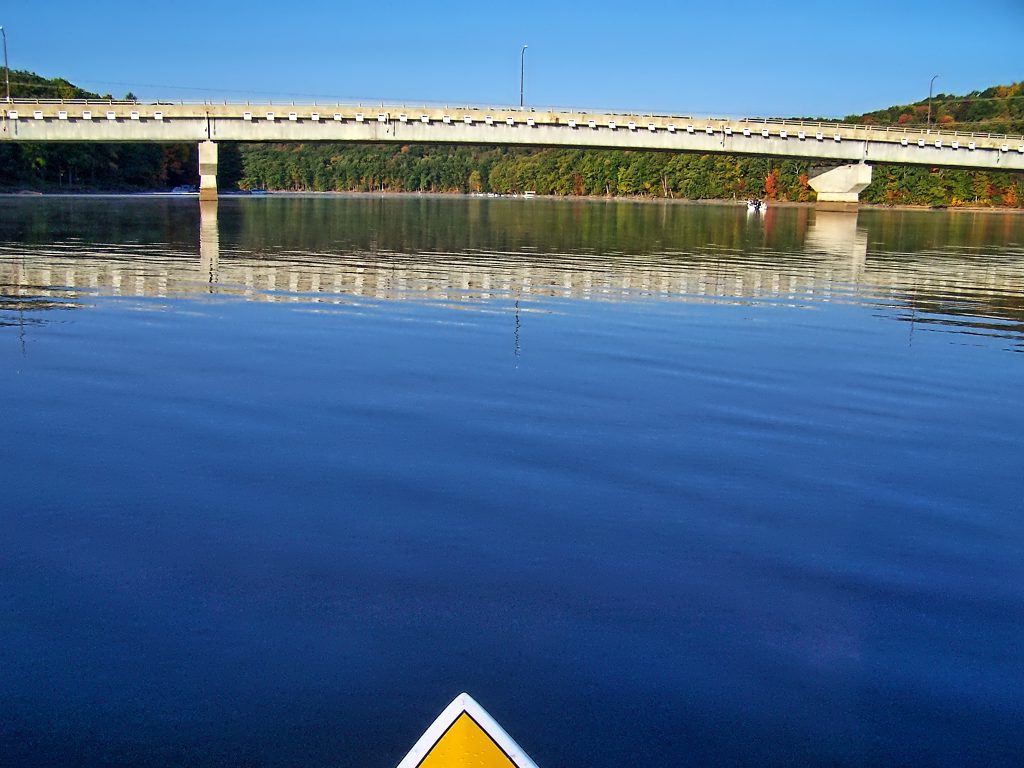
(209,241)
(836,234)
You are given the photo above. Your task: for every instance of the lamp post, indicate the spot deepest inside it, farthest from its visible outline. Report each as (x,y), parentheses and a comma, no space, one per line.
(930,101)
(7,69)
(522,72)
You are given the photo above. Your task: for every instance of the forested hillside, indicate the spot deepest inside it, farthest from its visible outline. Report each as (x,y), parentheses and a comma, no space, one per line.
(995,110)
(412,168)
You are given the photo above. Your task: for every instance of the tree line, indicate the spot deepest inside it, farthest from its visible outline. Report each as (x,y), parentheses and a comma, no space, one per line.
(568,172)
(323,167)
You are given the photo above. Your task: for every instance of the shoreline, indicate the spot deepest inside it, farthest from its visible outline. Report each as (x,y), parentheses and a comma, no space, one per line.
(473,196)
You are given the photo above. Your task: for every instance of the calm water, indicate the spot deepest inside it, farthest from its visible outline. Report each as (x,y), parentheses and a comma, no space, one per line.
(658,485)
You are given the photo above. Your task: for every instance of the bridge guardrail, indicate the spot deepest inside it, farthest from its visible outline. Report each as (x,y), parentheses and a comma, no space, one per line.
(916,131)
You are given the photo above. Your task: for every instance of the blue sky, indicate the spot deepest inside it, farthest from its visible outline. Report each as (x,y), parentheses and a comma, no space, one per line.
(825,58)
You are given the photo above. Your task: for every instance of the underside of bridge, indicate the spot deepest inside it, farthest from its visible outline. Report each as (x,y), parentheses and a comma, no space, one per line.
(838,188)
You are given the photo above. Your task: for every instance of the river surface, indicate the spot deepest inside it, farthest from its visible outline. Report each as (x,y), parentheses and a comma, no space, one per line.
(656,484)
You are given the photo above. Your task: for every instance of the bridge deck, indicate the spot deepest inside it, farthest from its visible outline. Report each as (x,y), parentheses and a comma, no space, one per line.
(44,120)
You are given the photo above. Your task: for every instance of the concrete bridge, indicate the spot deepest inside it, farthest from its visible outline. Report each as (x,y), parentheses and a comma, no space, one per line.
(850,149)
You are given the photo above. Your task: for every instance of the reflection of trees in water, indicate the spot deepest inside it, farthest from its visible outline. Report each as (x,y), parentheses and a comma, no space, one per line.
(99,219)
(459,249)
(894,232)
(413,224)
(433,224)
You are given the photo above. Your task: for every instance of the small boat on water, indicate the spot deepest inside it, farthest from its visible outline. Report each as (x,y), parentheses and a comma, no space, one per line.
(464,735)
(754,205)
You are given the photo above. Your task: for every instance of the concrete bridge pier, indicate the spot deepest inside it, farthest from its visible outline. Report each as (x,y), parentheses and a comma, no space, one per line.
(207,171)
(839,188)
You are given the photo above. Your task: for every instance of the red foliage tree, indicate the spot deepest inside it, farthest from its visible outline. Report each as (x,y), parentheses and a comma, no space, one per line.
(805,188)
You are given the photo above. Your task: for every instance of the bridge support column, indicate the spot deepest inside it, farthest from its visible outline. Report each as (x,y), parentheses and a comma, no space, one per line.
(838,188)
(207,170)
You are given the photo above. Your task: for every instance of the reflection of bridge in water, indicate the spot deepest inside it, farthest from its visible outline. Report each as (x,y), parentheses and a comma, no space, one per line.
(832,265)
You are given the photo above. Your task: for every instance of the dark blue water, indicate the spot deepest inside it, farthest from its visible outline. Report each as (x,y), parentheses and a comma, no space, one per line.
(657,485)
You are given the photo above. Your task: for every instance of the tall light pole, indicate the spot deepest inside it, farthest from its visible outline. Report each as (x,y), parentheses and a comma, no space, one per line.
(930,101)
(522,72)
(7,69)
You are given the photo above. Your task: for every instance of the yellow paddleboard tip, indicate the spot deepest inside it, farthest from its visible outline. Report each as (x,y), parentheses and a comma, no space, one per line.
(465,735)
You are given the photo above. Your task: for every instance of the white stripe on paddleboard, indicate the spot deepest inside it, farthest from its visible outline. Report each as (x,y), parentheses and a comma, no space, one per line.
(465,703)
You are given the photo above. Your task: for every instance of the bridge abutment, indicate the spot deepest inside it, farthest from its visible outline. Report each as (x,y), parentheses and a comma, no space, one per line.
(839,188)
(207,170)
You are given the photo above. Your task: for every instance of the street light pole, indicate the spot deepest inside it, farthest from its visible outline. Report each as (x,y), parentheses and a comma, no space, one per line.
(930,101)
(7,69)
(522,72)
